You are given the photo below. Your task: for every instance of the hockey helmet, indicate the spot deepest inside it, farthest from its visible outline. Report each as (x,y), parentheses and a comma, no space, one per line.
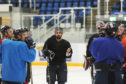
(100,25)
(111,29)
(4,29)
(17,32)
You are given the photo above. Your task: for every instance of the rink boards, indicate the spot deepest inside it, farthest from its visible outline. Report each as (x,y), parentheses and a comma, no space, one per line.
(77,59)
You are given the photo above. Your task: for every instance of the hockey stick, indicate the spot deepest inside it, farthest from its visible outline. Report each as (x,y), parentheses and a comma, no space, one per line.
(31,73)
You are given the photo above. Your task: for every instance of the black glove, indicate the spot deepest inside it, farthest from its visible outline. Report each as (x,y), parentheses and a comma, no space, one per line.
(48,54)
(30,43)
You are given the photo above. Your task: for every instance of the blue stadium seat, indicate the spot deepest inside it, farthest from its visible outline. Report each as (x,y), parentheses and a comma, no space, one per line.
(84,0)
(57,0)
(49,8)
(50,4)
(25,1)
(15,3)
(75,0)
(82,4)
(63,12)
(64,0)
(55,12)
(95,3)
(43,8)
(38,5)
(38,1)
(67,12)
(75,4)
(42,12)
(45,1)
(56,6)
(44,4)
(88,4)
(88,12)
(124,2)
(124,7)
(50,0)
(48,12)
(116,6)
(52,22)
(62,4)
(69,4)
(80,14)
(37,20)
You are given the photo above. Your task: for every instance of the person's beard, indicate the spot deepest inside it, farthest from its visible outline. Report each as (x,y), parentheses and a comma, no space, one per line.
(58,37)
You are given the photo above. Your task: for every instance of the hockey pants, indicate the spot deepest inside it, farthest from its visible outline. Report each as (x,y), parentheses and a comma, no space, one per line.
(109,77)
(57,72)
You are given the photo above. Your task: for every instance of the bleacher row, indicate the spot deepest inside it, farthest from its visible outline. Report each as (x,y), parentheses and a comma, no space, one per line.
(116,9)
(39,3)
(53,6)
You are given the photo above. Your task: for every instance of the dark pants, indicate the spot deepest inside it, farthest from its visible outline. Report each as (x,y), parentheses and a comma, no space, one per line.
(103,77)
(7,82)
(28,74)
(124,78)
(124,75)
(0,81)
(57,72)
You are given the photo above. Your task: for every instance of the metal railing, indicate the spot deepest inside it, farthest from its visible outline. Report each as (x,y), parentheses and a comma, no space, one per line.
(43,29)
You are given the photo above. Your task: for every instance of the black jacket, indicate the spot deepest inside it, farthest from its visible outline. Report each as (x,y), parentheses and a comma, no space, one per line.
(88,54)
(59,48)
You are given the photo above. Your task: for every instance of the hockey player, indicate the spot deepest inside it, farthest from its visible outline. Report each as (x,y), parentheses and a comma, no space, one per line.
(108,53)
(15,54)
(7,34)
(100,26)
(30,42)
(23,35)
(57,50)
(122,35)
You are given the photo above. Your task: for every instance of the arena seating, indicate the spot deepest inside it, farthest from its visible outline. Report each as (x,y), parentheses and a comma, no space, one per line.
(53,6)
(117,7)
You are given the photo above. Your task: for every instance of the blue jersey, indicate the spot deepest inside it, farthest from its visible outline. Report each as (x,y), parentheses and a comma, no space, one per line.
(15,54)
(107,49)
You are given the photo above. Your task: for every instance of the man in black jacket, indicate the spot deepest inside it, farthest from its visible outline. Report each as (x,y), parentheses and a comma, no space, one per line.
(57,50)
(101,33)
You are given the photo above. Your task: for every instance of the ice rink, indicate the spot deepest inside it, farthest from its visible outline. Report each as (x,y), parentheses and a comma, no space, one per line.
(76,75)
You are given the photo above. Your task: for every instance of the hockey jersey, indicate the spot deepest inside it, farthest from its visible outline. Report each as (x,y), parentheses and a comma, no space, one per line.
(107,49)
(0,54)
(15,54)
(124,44)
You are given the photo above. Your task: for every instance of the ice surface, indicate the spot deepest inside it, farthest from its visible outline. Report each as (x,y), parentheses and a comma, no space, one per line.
(76,75)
